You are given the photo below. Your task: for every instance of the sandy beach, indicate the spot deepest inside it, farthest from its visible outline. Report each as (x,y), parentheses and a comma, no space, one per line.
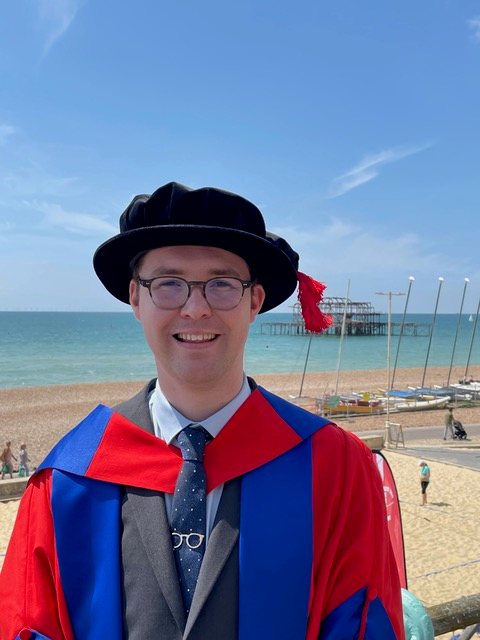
(442,540)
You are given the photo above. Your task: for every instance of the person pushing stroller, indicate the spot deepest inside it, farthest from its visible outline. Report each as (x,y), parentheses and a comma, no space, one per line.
(454,427)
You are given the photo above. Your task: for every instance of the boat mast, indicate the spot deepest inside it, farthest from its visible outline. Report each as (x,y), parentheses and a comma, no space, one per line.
(471,341)
(440,282)
(411,281)
(342,333)
(456,332)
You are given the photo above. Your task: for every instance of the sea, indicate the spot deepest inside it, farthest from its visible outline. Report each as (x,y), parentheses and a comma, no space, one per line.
(54,348)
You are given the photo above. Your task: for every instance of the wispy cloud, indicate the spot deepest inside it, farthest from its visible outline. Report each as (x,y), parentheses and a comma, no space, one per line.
(55,17)
(6,130)
(71,221)
(368,169)
(34,181)
(371,251)
(474,24)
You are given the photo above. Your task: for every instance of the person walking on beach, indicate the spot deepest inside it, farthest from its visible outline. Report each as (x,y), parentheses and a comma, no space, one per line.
(448,424)
(23,468)
(424,480)
(205,506)
(7,458)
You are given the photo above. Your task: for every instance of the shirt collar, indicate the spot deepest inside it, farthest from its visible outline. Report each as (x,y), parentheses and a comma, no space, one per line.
(168,422)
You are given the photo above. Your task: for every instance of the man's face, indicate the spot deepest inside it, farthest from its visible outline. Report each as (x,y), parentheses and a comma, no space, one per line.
(196,345)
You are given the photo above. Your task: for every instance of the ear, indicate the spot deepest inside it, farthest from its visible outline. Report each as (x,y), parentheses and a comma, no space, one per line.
(134,298)
(257,300)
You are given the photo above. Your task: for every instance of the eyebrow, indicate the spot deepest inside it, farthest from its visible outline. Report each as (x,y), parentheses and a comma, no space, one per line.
(165,270)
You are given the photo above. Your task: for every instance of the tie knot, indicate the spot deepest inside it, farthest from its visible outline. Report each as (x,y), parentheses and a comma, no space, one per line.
(192,443)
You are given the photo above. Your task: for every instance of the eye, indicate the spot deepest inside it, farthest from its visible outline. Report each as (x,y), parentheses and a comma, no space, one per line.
(222,283)
(167,284)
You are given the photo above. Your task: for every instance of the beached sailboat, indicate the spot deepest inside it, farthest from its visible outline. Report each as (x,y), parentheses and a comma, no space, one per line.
(468,390)
(352,409)
(353,404)
(416,399)
(419,405)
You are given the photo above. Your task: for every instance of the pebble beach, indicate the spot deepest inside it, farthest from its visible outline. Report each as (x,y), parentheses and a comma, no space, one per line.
(40,416)
(442,540)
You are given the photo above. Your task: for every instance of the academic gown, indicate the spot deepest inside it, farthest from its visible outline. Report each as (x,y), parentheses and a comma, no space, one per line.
(307,545)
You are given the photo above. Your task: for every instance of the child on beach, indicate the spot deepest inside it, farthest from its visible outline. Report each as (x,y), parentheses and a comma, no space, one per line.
(23,469)
(424,480)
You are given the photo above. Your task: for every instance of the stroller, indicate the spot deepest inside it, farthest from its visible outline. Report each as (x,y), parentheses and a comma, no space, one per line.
(459,431)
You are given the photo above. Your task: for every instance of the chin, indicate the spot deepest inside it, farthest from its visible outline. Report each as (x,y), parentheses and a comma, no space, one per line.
(200,376)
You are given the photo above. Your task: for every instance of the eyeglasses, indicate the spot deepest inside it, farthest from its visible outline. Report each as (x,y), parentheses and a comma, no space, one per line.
(170,293)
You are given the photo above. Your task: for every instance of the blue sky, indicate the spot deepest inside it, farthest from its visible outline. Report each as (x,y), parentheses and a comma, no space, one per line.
(353,125)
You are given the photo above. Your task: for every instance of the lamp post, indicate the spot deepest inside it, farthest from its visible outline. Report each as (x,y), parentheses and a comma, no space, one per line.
(440,282)
(389,333)
(456,332)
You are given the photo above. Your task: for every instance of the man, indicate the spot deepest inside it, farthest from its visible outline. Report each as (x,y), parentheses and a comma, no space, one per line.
(448,424)
(6,459)
(117,536)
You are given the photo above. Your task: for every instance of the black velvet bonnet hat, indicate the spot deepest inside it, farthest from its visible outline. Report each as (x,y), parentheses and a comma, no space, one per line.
(177,215)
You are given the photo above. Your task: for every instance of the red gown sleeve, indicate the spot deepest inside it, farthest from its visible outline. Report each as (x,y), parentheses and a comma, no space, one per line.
(31,593)
(352,549)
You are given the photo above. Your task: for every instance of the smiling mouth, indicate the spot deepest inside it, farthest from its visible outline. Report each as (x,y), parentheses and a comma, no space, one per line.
(195,337)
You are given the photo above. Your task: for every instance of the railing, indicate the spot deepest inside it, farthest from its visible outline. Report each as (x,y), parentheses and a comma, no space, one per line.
(463,613)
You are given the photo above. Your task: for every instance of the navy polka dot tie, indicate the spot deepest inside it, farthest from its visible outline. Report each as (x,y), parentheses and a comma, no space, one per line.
(189,512)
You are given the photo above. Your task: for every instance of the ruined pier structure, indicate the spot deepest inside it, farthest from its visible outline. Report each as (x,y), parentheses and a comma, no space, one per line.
(360,318)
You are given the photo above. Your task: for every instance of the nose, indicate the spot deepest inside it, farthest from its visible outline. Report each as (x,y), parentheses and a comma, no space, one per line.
(196,305)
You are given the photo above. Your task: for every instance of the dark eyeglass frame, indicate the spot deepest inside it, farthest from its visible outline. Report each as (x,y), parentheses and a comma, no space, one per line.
(147,283)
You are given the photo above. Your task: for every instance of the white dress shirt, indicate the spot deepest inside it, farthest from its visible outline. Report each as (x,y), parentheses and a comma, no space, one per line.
(168,422)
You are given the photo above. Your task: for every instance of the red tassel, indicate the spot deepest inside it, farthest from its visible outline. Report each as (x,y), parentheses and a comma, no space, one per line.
(310,294)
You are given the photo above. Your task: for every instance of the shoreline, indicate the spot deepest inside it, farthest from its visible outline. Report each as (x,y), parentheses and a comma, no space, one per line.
(326,381)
